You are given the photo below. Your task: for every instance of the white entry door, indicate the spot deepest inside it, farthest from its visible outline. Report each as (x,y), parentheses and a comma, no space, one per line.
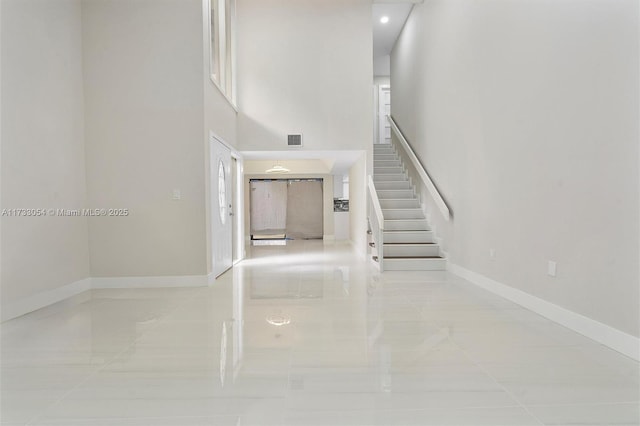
(384,109)
(222,207)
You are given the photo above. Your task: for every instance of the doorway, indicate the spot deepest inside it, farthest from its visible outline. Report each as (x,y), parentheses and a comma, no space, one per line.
(286,209)
(226,200)
(384,109)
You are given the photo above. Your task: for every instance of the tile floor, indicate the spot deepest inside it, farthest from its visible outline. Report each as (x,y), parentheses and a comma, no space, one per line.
(307,334)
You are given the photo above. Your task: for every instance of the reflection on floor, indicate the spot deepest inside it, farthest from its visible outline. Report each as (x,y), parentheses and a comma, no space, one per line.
(303,334)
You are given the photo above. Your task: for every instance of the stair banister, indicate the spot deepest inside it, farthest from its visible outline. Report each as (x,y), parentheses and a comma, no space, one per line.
(376,221)
(435,194)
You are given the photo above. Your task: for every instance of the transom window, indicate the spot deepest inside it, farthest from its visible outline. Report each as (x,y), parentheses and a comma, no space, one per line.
(222,23)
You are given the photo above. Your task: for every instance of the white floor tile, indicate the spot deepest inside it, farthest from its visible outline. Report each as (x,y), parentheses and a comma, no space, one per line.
(307,334)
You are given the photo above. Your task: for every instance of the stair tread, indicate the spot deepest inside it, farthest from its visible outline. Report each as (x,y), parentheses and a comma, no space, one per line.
(402,220)
(413,257)
(410,244)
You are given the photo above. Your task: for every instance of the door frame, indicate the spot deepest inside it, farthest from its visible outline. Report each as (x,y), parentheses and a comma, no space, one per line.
(382,119)
(237,202)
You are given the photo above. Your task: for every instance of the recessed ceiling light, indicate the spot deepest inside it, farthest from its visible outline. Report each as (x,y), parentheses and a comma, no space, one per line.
(384,19)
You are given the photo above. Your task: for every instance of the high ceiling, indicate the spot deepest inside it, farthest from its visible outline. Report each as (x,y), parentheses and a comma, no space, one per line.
(386,34)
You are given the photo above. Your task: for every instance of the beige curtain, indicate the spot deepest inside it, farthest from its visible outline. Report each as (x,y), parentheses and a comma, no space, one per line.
(289,207)
(304,210)
(268,210)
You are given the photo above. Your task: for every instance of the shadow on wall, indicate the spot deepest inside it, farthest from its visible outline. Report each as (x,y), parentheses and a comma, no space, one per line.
(271,139)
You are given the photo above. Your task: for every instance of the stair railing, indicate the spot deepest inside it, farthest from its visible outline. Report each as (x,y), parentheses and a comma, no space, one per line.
(433,191)
(376,221)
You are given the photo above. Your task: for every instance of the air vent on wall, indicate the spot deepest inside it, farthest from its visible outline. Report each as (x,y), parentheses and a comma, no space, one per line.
(294,140)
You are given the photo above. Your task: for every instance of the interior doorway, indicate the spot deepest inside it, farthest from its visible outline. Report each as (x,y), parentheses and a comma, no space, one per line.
(384,109)
(283,209)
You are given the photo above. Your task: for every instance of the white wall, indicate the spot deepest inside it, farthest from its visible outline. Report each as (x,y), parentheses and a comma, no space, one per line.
(145,137)
(304,66)
(42,147)
(358,204)
(525,113)
(382,65)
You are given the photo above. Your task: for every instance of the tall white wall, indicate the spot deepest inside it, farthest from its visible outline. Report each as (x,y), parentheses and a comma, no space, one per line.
(304,66)
(358,205)
(525,113)
(42,147)
(145,137)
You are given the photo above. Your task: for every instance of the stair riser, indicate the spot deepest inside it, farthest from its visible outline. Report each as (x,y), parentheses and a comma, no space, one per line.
(396,193)
(408,237)
(403,214)
(406,225)
(386,163)
(389,177)
(388,170)
(384,157)
(411,251)
(393,185)
(415,265)
(400,204)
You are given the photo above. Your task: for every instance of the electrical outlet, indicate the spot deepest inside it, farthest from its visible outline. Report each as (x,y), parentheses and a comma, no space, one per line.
(551,268)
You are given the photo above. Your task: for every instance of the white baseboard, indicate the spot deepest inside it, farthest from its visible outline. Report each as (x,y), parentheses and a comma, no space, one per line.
(615,339)
(211,278)
(44,299)
(149,282)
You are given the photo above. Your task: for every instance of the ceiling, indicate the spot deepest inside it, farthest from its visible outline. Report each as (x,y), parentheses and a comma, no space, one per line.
(385,35)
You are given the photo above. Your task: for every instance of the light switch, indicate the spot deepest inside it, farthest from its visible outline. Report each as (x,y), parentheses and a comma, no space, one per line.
(176,194)
(551,268)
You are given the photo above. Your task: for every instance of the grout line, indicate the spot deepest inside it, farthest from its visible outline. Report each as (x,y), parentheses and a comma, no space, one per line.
(504,388)
(106,364)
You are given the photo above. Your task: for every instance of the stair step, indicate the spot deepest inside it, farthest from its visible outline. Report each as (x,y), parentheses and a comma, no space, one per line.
(400,203)
(394,184)
(388,170)
(382,146)
(386,163)
(389,177)
(395,193)
(415,264)
(403,214)
(411,250)
(408,237)
(384,157)
(406,225)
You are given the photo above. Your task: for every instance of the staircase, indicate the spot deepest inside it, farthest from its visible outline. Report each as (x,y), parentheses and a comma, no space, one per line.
(409,243)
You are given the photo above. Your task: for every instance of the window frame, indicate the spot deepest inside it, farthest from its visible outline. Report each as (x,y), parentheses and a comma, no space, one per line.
(222,47)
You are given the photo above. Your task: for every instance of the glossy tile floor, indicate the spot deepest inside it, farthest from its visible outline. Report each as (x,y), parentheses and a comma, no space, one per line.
(307,334)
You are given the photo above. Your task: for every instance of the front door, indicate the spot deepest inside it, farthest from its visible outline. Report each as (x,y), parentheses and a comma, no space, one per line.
(222,207)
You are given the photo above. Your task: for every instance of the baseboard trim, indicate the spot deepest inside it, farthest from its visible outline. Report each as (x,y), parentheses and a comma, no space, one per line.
(47,298)
(44,299)
(615,339)
(149,282)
